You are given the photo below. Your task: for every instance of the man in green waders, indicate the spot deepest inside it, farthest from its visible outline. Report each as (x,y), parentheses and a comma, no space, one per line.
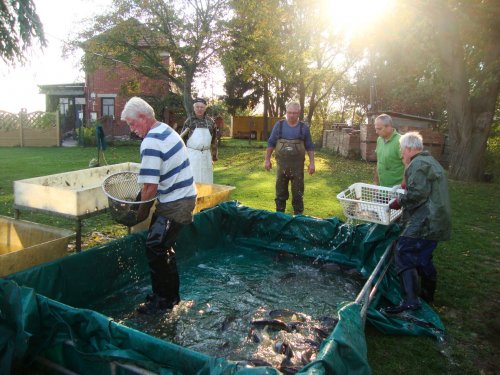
(291,139)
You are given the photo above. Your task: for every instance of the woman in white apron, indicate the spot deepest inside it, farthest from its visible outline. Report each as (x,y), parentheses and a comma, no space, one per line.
(199,134)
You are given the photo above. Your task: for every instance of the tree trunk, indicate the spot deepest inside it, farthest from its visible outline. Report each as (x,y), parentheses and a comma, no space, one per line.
(312,103)
(469,119)
(302,97)
(186,95)
(265,119)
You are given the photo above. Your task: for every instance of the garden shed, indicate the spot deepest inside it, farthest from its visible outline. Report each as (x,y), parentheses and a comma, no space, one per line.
(352,141)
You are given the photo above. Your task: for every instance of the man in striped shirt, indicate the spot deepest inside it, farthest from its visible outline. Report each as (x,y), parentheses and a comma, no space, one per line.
(166,174)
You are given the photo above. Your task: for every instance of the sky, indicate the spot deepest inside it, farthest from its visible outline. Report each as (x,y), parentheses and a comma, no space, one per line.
(18,86)
(61,20)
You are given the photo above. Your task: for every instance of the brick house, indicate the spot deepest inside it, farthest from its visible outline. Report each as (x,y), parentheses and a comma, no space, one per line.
(108,89)
(102,97)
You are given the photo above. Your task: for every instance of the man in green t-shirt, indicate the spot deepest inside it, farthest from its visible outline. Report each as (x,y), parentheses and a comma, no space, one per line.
(390,168)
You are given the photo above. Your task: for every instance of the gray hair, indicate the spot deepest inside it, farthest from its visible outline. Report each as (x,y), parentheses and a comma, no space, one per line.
(293,104)
(411,140)
(386,119)
(135,106)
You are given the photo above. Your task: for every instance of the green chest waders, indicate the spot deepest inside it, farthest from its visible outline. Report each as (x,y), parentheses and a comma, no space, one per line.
(290,152)
(290,157)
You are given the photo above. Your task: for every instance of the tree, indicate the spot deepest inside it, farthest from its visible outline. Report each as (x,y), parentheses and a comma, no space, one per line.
(19,27)
(442,49)
(282,50)
(139,33)
(321,60)
(468,36)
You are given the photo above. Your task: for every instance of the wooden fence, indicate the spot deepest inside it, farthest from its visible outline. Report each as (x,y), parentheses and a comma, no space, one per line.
(36,129)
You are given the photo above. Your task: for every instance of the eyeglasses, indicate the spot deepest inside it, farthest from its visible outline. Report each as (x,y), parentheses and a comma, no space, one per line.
(292,113)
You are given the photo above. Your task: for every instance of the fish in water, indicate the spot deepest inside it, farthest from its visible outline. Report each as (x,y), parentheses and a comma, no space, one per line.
(313,343)
(227,322)
(282,347)
(258,362)
(328,322)
(282,256)
(354,273)
(288,276)
(288,370)
(326,325)
(287,315)
(330,267)
(321,332)
(254,336)
(272,324)
(308,356)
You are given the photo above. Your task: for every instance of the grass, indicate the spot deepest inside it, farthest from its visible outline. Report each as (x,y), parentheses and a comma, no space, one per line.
(468,293)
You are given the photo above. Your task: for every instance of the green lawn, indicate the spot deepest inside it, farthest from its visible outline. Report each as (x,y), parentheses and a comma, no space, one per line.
(468,295)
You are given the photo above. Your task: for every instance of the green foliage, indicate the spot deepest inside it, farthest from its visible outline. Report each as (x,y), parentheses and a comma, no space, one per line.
(468,288)
(137,34)
(279,51)
(44,120)
(404,81)
(493,148)
(89,137)
(439,59)
(19,27)
(130,88)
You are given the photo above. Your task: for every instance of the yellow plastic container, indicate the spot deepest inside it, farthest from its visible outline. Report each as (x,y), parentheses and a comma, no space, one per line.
(210,195)
(24,244)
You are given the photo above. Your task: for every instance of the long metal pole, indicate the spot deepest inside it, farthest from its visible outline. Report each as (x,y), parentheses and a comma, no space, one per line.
(364,294)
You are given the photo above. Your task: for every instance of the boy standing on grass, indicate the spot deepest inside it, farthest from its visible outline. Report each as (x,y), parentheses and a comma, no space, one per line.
(426,220)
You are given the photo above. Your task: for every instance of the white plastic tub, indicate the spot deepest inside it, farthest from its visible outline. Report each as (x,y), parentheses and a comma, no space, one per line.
(76,193)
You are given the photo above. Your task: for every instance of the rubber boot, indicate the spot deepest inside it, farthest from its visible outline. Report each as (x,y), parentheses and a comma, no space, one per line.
(409,279)
(427,288)
(166,285)
(156,304)
(280,205)
(169,282)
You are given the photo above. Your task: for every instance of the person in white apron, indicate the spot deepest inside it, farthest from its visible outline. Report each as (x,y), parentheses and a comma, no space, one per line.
(200,135)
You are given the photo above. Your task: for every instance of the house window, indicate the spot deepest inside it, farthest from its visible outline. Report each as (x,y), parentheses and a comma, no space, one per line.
(63,105)
(108,107)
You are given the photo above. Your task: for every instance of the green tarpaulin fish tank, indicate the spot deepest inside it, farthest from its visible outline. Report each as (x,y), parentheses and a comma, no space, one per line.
(263,293)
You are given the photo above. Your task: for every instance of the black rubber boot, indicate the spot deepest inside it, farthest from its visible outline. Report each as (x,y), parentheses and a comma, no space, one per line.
(427,288)
(169,281)
(155,305)
(409,280)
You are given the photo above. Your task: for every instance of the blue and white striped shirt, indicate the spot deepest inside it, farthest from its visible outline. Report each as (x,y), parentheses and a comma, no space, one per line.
(165,162)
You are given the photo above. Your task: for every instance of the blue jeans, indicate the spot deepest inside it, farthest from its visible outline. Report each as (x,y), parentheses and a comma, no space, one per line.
(415,253)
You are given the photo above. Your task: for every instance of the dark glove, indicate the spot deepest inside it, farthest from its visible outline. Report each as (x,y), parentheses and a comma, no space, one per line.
(394,205)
